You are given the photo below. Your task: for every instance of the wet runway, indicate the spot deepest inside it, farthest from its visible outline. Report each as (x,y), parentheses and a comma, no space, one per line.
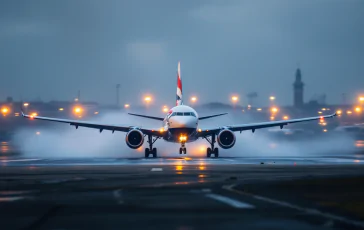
(182,193)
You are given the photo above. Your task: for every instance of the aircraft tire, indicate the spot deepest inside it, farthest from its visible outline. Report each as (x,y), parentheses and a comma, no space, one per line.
(208,152)
(154,152)
(216,152)
(147,152)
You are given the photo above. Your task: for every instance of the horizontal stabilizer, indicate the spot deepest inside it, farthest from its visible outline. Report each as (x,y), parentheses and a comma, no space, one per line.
(149,117)
(207,117)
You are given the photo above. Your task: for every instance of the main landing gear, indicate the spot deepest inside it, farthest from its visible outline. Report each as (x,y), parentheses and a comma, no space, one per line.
(183,149)
(151,150)
(212,150)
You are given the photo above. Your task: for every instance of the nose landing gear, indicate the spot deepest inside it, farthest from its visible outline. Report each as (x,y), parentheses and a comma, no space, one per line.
(212,150)
(151,150)
(183,149)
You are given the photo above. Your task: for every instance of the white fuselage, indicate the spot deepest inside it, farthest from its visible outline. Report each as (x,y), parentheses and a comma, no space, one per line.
(180,121)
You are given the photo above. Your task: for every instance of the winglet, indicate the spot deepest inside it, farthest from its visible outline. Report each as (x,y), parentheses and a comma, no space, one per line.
(22,113)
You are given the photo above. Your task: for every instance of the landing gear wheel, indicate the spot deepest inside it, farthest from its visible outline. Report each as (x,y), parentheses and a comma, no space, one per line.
(180,150)
(185,151)
(208,152)
(147,152)
(154,152)
(216,152)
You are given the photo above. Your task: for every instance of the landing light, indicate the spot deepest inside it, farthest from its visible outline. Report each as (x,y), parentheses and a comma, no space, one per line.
(182,138)
(32,115)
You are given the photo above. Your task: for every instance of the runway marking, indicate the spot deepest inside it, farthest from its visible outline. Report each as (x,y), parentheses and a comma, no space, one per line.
(229,201)
(19,160)
(156,170)
(118,196)
(309,211)
(10,199)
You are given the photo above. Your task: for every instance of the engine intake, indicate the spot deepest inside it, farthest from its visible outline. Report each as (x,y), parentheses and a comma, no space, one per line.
(226,139)
(134,138)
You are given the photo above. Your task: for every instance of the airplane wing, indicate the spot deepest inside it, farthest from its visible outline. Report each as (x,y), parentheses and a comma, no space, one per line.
(254,126)
(149,117)
(207,117)
(100,127)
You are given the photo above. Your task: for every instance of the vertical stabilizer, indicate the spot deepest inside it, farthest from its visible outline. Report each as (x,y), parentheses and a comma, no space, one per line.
(179,100)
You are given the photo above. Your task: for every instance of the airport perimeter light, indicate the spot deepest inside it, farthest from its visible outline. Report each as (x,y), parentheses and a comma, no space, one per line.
(165,109)
(77,110)
(274,110)
(5,110)
(147,99)
(361,99)
(26,104)
(193,99)
(126,106)
(272,98)
(358,109)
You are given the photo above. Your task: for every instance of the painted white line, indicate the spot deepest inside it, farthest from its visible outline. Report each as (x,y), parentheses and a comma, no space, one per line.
(10,199)
(118,196)
(229,201)
(310,211)
(156,170)
(6,161)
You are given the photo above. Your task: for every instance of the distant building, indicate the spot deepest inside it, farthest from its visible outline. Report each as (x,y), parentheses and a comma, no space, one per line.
(298,90)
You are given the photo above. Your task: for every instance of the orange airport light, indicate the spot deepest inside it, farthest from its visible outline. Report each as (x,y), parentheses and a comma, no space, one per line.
(148,99)
(234,98)
(285,118)
(274,109)
(358,109)
(5,110)
(193,99)
(126,106)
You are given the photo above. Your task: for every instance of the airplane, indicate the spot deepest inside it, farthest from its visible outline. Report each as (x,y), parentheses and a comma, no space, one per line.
(180,125)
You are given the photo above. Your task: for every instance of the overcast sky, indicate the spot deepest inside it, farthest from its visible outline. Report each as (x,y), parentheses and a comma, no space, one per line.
(51,49)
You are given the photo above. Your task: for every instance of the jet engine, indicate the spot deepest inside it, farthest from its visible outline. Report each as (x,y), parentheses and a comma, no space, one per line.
(226,139)
(134,138)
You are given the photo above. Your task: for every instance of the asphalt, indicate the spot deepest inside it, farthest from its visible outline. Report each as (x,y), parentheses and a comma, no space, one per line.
(182,193)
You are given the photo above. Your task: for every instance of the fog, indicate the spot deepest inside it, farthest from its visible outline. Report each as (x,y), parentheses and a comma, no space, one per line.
(64,140)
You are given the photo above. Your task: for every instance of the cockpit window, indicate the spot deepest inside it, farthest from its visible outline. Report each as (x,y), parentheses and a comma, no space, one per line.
(179,114)
(173,114)
(187,114)
(193,114)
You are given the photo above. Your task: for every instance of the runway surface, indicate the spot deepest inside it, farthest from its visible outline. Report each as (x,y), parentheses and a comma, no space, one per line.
(182,193)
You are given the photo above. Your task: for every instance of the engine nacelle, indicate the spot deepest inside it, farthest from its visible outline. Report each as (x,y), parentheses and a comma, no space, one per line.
(134,138)
(226,139)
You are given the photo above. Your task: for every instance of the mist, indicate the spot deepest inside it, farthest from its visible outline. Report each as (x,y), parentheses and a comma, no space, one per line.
(64,140)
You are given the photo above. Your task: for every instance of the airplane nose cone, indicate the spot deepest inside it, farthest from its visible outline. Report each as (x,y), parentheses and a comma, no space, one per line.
(183,122)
